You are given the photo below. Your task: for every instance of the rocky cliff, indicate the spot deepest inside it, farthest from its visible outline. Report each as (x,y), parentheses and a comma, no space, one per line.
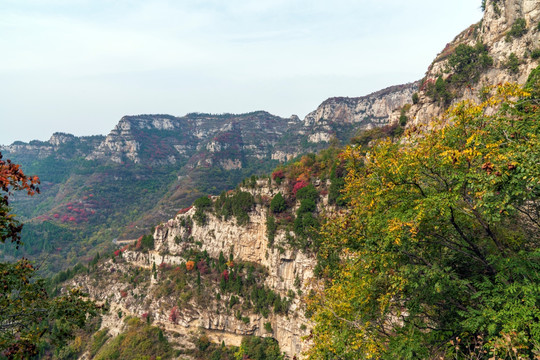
(511,33)
(283,269)
(165,162)
(60,145)
(366,111)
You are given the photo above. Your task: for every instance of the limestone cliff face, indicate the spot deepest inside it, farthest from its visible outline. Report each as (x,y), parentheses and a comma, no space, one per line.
(249,243)
(288,271)
(201,139)
(493,30)
(60,145)
(365,112)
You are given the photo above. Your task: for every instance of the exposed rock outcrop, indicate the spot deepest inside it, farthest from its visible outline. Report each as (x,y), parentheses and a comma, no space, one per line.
(288,271)
(366,111)
(495,31)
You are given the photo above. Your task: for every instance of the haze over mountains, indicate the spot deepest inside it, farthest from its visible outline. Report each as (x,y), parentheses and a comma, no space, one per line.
(236,264)
(149,166)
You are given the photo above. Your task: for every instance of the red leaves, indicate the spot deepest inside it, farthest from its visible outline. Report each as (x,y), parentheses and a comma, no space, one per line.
(13,179)
(278,174)
(184,210)
(202,267)
(139,243)
(174,315)
(225,275)
(299,184)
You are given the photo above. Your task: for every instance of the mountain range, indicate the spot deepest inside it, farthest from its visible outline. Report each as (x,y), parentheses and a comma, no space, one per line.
(237,262)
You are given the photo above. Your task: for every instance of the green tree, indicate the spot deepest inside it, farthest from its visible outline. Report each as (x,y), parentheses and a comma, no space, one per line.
(467,63)
(271,228)
(29,316)
(415,98)
(519,28)
(513,63)
(439,253)
(278,205)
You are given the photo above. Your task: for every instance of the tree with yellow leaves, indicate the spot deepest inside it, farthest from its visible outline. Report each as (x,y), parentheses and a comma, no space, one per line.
(438,255)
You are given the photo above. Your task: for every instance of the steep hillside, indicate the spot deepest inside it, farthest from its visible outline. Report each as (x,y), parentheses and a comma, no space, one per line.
(364,112)
(231,266)
(503,47)
(97,189)
(239,264)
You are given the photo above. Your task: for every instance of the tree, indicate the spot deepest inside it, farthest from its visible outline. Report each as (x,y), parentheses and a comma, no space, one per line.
(439,253)
(467,63)
(12,179)
(28,315)
(415,98)
(278,204)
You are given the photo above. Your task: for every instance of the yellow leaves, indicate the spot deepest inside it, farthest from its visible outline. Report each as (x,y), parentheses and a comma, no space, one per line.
(401,199)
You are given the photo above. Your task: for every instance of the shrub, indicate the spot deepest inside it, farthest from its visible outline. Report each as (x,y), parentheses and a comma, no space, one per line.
(204,202)
(303,223)
(278,205)
(334,192)
(306,206)
(519,28)
(200,217)
(203,343)
(98,340)
(299,185)
(415,98)
(139,341)
(535,54)
(268,327)
(271,228)
(513,63)
(239,205)
(259,348)
(174,314)
(278,176)
(403,118)
(225,275)
(468,62)
(147,242)
(307,192)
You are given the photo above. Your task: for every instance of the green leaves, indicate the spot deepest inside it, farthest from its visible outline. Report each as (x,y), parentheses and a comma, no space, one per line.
(440,240)
(28,315)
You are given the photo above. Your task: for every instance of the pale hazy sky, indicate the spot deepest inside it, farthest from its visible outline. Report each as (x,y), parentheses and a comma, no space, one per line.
(78,66)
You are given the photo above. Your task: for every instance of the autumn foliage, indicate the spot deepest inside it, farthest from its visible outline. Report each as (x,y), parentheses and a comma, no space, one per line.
(190,265)
(13,179)
(299,185)
(174,315)
(438,255)
(27,312)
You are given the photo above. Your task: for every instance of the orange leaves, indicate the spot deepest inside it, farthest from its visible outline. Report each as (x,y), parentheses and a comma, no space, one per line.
(13,178)
(190,265)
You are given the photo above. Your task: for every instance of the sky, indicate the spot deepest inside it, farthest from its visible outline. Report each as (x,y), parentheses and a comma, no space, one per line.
(78,66)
